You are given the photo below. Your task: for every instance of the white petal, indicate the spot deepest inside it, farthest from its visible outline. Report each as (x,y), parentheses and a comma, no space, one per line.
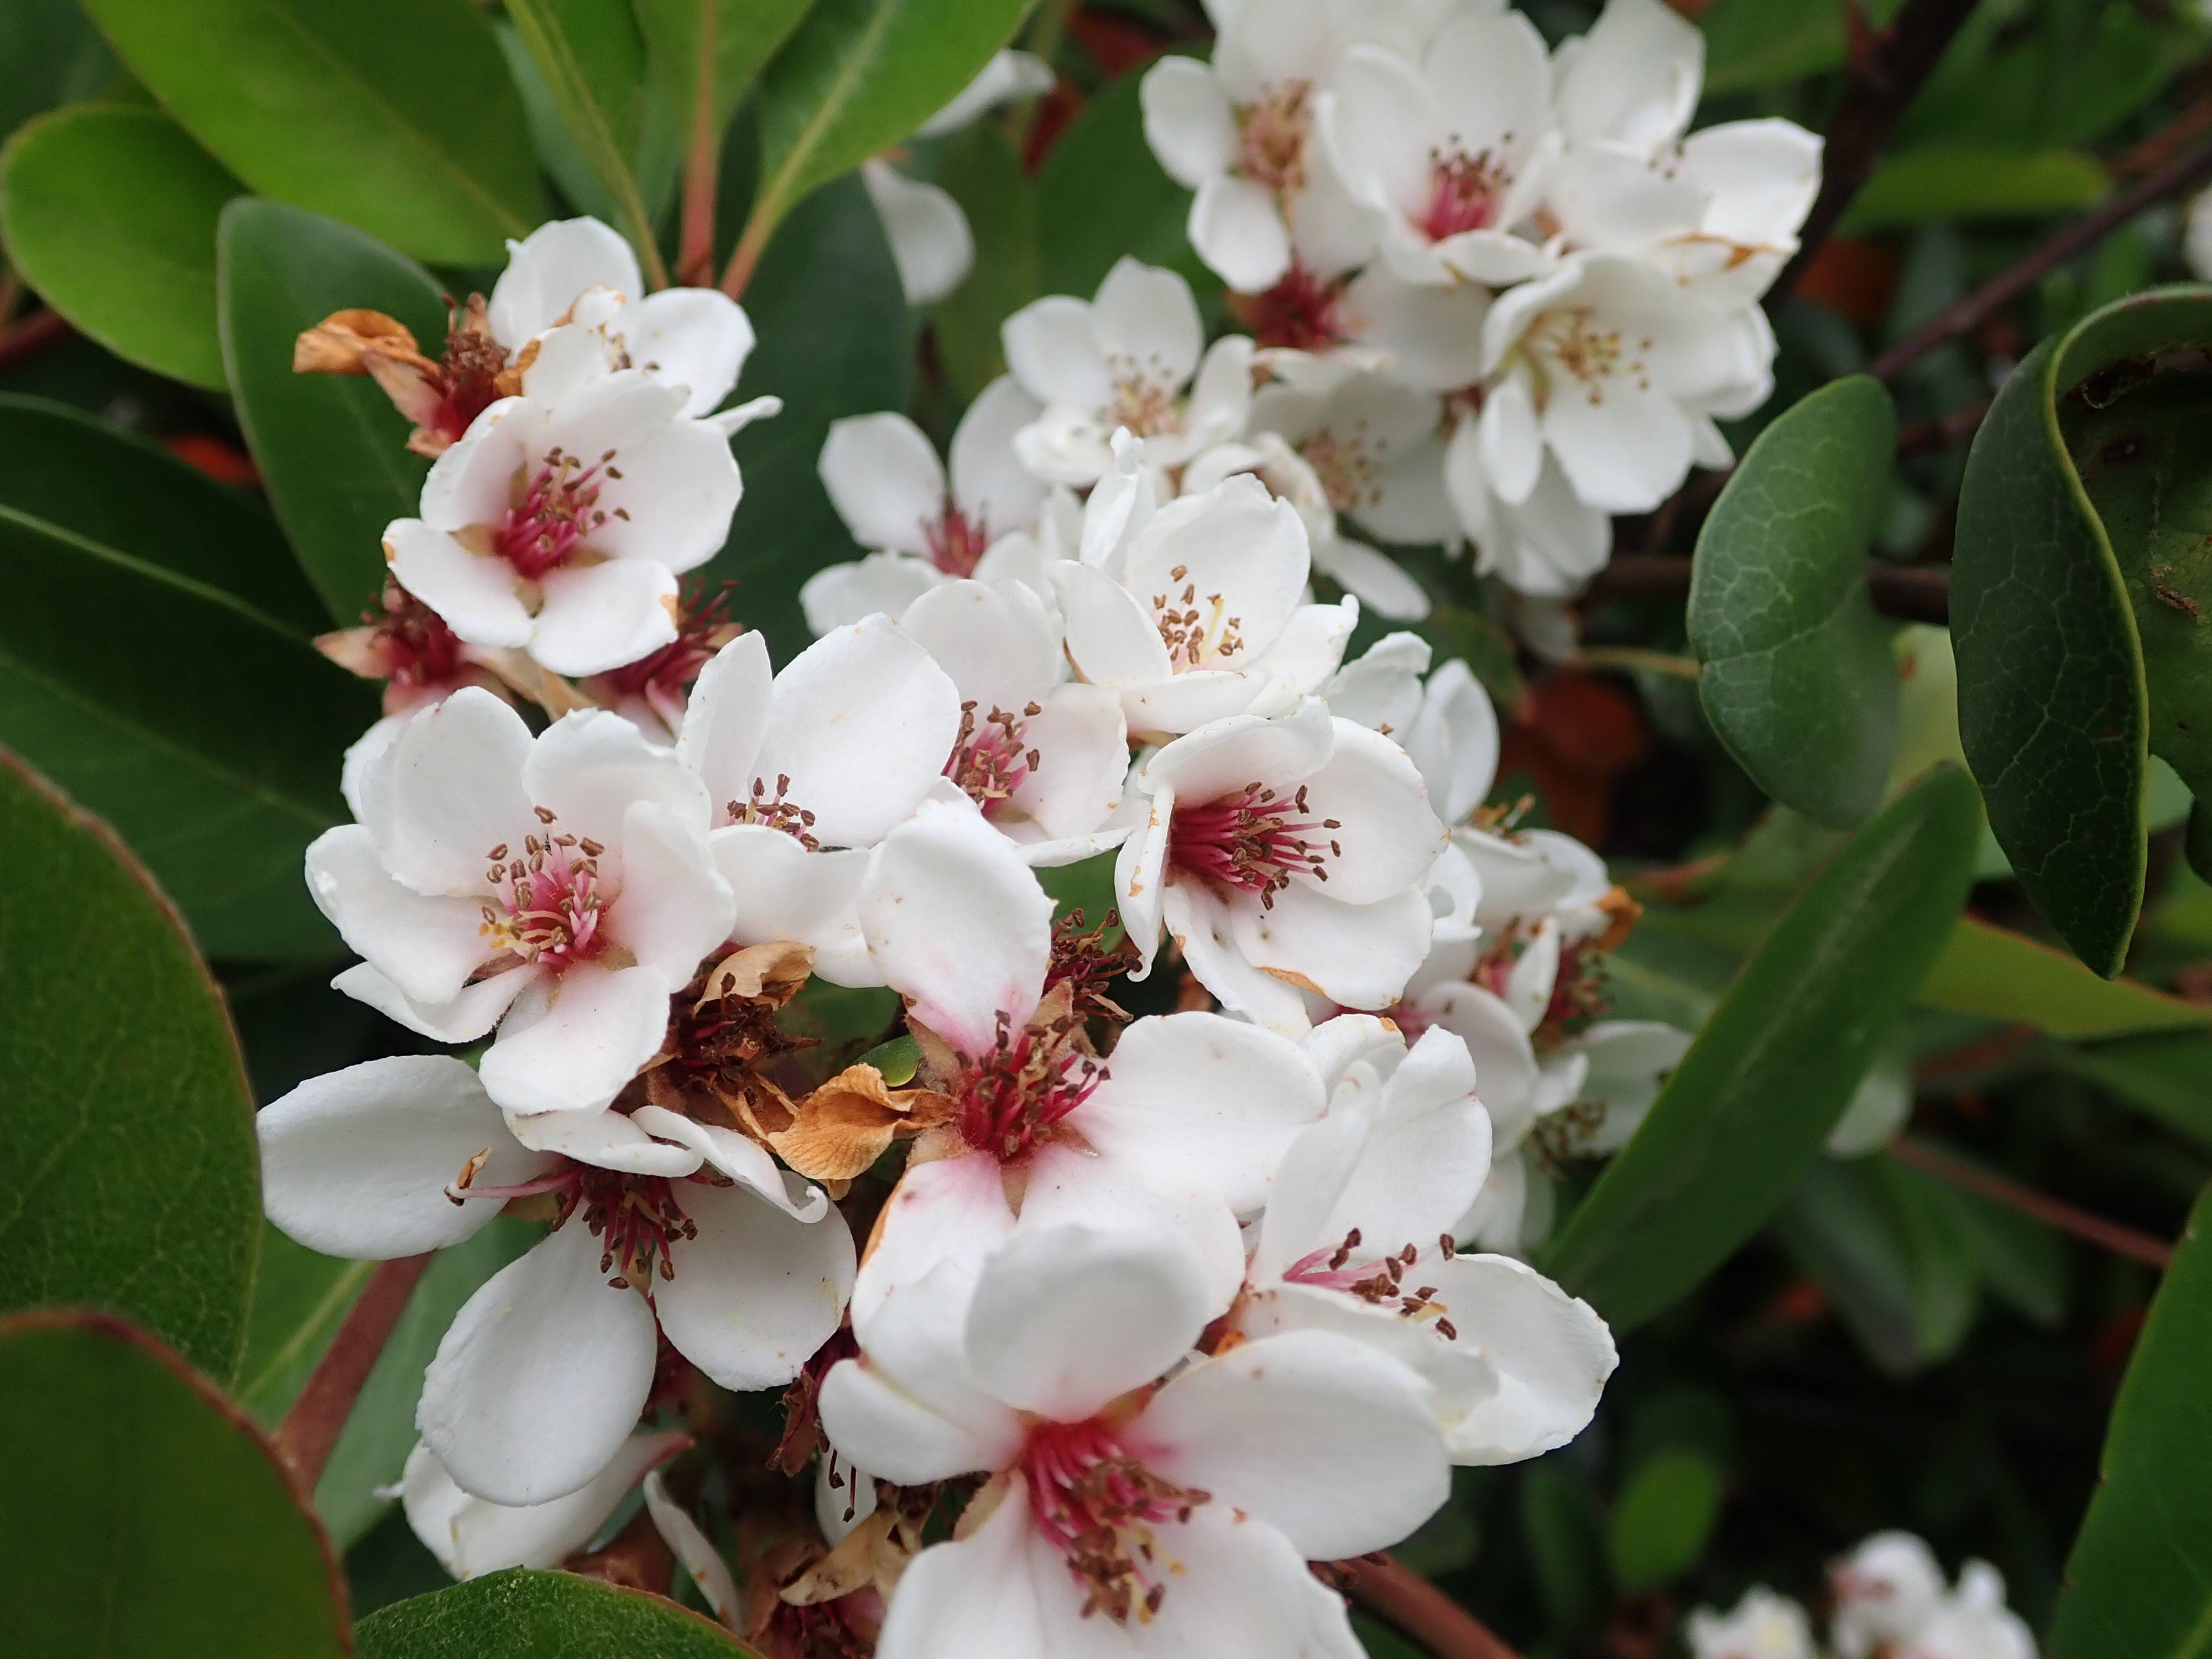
(1762,177)
(450,790)
(598,617)
(471,1536)
(1453,741)
(1051,352)
(943,1211)
(1146,324)
(694,336)
(695,1550)
(465,1018)
(675,906)
(1381,689)
(427,946)
(1222,757)
(1432,336)
(839,595)
(548,269)
(1007,77)
(595,1034)
(1370,1465)
(1631,1058)
(1237,228)
(1111,638)
(1379,122)
(1358,956)
(1511,447)
(990,485)
(1143,1192)
(605,1140)
(541,1376)
(592,768)
(928,1422)
(757,1291)
(1240,550)
(931,242)
(1140,874)
(357,1163)
(1239,1590)
(1082,742)
(474,593)
(1634,77)
(1505,1063)
(1379,582)
(745,1161)
(1206,927)
(726,720)
(1187,121)
(957,924)
(1373,794)
(1551,1351)
(785,892)
(997,643)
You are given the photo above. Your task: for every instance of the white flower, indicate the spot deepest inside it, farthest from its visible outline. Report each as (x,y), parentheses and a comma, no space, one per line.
(663,1226)
(1178,1131)
(1198,610)
(2196,236)
(1619,374)
(1972,1622)
(1764,1626)
(471,1536)
(1124,359)
(560,525)
(1125,1514)
(559,887)
(1449,158)
(1357,1238)
(1044,757)
(1633,80)
(807,770)
(1885,1590)
(695,338)
(1313,333)
(892,492)
(1547,543)
(1284,855)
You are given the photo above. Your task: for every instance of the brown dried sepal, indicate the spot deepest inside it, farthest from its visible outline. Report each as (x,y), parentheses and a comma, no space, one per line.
(362,341)
(1621,914)
(774,972)
(848,1122)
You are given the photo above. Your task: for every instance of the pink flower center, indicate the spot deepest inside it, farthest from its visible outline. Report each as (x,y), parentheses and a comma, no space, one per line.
(1465,192)
(1011,1099)
(415,648)
(955,541)
(547,906)
(664,677)
(990,761)
(1097,1505)
(1271,138)
(1301,311)
(636,1217)
(554,512)
(1377,1279)
(1252,840)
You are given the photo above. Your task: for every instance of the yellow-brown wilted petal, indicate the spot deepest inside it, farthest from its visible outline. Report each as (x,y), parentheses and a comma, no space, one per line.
(848,1122)
(748,972)
(355,650)
(344,341)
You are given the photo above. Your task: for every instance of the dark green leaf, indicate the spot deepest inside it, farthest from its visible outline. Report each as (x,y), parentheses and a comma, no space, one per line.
(1101,195)
(736,38)
(540,1615)
(128,1125)
(2168,1076)
(1662,1521)
(109,212)
(1971,182)
(857,76)
(1762,43)
(1747,1110)
(145,1518)
(2139,1581)
(1894,1260)
(398,117)
(1566,1546)
(114,487)
(331,449)
(833,342)
(1797,676)
(50,54)
(300,1300)
(981,172)
(208,735)
(592,54)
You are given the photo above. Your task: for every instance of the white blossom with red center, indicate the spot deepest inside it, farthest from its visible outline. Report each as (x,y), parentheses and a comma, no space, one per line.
(1177,1129)
(924,527)
(1357,1239)
(1447,151)
(1136,1503)
(1286,856)
(808,768)
(559,525)
(558,887)
(1133,358)
(664,1228)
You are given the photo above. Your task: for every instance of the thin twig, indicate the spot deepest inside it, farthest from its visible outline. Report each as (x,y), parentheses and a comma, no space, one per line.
(2050,1212)
(695,253)
(1887,78)
(1908,592)
(311,1428)
(2190,168)
(1421,1610)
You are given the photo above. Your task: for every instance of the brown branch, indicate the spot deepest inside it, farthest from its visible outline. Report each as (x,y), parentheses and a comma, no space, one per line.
(1421,1610)
(1886,77)
(1908,592)
(311,1428)
(2189,168)
(2050,1212)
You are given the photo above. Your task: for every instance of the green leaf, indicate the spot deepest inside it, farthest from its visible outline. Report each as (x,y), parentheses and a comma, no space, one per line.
(109,212)
(1895,1261)
(1567,1547)
(1101,196)
(145,1518)
(2163,1075)
(832,320)
(1747,1110)
(897,1060)
(300,1298)
(117,488)
(1762,43)
(2006,975)
(857,76)
(1797,676)
(50,54)
(1963,182)
(712,50)
(398,117)
(540,1615)
(128,1126)
(208,735)
(1662,1521)
(981,172)
(332,448)
(2139,1581)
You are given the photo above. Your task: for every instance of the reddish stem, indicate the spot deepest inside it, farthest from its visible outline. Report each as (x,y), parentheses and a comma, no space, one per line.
(1421,1610)
(2050,1212)
(695,257)
(311,1428)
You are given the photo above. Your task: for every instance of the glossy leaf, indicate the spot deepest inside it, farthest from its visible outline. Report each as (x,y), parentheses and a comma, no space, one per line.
(1797,677)
(2006,975)
(857,76)
(832,320)
(1100,194)
(1745,1111)
(145,1518)
(128,1125)
(2139,1581)
(591,55)
(1891,1257)
(50,54)
(208,735)
(540,1615)
(2075,604)
(331,449)
(711,51)
(115,488)
(1954,182)
(1662,1521)
(981,172)
(109,212)
(398,117)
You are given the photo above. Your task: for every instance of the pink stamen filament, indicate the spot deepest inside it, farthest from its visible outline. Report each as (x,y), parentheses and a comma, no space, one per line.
(636,1217)
(1097,1504)
(549,906)
(558,509)
(1252,840)
(990,761)
(956,542)
(1380,1280)
(1465,192)
(1015,1096)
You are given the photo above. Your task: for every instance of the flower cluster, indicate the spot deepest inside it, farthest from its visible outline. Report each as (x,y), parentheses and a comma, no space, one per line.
(1890,1601)
(1154,1311)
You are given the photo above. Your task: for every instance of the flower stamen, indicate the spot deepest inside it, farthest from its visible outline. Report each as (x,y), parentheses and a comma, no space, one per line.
(1253,840)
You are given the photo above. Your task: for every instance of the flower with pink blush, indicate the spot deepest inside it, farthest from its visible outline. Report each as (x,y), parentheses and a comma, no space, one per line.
(1139,1502)
(559,888)
(1177,1129)
(1284,856)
